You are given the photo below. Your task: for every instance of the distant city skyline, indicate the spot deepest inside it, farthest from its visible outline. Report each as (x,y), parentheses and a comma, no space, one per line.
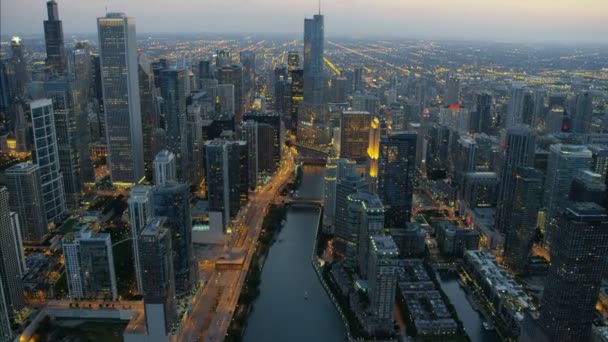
(513,20)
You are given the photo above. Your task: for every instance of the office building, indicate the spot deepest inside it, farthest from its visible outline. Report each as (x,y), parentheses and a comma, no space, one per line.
(150,117)
(89,265)
(479,189)
(396,174)
(339,86)
(527,199)
(248,63)
(140,214)
(223,57)
(80,66)
(454,240)
(382,271)
(224,99)
(293,60)
(519,151)
(46,155)
(410,240)
(564,163)
(297,95)
(172,200)
(223,178)
(314,77)
(481,116)
(233,74)
(21,76)
(365,217)
(249,134)
(157,275)
(53,38)
(577,261)
(588,186)
(10,263)
(515,106)
(26,199)
(270,139)
(122,108)
(204,70)
(354,135)
(583,113)
(173,92)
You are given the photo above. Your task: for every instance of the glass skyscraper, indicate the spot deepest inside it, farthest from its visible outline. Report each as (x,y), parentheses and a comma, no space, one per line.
(120,83)
(46,156)
(53,37)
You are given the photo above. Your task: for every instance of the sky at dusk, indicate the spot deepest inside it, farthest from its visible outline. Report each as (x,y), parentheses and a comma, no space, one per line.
(534,20)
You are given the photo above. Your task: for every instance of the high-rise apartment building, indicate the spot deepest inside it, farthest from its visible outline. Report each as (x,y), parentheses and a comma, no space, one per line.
(172,200)
(365,219)
(46,155)
(89,265)
(26,199)
(157,274)
(164,168)
(519,151)
(383,267)
(140,214)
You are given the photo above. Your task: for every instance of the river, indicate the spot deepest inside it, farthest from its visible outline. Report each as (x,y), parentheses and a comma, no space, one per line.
(281,312)
(471,319)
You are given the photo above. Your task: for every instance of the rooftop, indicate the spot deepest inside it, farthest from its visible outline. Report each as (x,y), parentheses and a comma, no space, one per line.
(384,244)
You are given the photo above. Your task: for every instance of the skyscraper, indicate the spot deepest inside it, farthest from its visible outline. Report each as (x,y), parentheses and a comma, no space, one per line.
(46,155)
(583,113)
(6,331)
(452,95)
(89,265)
(233,74)
(564,163)
(293,61)
(383,266)
(150,118)
(347,185)
(26,199)
(335,169)
(515,106)
(396,174)
(297,95)
(19,63)
(71,125)
(248,62)
(140,213)
(365,218)
(120,83)
(158,277)
(250,135)
(314,42)
(588,186)
(223,178)
(520,146)
(172,200)
(270,139)
(173,92)
(354,135)
(481,116)
(573,283)
(53,37)
(164,168)
(527,198)
(10,268)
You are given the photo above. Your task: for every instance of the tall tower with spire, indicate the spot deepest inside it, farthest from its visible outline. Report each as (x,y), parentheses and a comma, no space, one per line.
(53,37)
